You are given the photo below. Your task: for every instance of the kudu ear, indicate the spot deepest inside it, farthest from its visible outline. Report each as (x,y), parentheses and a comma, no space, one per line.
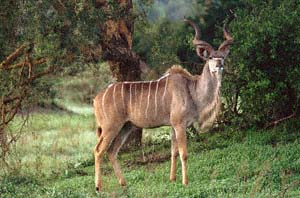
(225,46)
(203,52)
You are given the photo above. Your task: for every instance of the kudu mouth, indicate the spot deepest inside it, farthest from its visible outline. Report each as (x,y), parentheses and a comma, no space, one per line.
(219,70)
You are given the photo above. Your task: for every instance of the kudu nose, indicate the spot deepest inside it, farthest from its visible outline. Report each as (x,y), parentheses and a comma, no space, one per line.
(219,65)
(220,68)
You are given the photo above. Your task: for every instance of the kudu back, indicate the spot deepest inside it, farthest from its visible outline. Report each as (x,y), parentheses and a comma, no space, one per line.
(177,99)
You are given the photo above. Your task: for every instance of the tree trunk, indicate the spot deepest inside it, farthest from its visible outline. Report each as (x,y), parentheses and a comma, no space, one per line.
(116,43)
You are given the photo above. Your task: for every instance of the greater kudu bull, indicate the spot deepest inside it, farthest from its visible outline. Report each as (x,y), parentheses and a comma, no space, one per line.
(177,99)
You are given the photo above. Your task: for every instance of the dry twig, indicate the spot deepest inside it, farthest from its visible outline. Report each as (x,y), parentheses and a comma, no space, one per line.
(11,102)
(274,123)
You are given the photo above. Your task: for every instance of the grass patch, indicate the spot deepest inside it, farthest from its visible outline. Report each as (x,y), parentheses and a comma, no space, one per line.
(55,160)
(53,142)
(75,107)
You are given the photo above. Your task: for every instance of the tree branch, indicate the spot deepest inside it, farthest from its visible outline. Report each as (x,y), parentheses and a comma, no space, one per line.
(13,56)
(38,75)
(274,123)
(34,62)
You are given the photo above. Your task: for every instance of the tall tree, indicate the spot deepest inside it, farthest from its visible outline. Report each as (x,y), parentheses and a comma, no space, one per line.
(116,42)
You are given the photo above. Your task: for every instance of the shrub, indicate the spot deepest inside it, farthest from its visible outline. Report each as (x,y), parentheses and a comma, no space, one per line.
(263,82)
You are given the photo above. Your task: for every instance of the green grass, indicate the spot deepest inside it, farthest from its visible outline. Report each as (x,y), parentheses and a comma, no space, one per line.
(55,160)
(77,108)
(51,142)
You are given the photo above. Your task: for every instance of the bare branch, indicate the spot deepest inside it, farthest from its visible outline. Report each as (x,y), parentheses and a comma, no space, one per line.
(10,99)
(274,123)
(13,112)
(34,62)
(43,73)
(12,57)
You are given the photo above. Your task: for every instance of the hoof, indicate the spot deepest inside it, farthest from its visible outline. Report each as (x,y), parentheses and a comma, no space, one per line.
(98,189)
(172,179)
(185,183)
(122,183)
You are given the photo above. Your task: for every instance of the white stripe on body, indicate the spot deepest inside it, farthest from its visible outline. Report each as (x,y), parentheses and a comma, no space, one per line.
(130,95)
(135,99)
(164,94)
(164,76)
(114,98)
(141,98)
(148,101)
(157,82)
(103,99)
(122,93)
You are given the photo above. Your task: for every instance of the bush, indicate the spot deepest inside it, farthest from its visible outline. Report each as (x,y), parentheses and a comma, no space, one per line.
(263,83)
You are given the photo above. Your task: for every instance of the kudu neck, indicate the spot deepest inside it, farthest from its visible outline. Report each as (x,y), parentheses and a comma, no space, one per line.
(208,86)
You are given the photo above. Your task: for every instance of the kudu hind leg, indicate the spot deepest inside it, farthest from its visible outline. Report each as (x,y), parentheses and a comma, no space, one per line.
(104,141)
(174,154)
(181,143)
(114,150)
(98,157)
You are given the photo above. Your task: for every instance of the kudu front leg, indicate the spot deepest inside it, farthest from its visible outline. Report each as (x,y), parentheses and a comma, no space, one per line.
(114,150)
(181,143)
(112,155)
(174,154)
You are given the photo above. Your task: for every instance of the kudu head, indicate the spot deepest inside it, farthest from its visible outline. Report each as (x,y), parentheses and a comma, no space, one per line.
(214,58)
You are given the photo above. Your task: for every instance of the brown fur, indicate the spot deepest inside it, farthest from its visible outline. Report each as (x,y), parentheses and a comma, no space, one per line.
(209,115)
(177,99)
(177,69)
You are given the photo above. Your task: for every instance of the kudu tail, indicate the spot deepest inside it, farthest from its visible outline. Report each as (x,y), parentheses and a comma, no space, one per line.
(97,115)
(98,132)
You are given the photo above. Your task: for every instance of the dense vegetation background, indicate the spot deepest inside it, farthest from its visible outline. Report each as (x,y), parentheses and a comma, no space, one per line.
(261,89)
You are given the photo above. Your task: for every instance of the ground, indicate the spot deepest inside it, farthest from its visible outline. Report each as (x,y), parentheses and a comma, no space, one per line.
(54,158)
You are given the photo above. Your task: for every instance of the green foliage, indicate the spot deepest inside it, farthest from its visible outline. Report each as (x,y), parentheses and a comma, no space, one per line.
(58,30)
(64,33)
(157,43)
(263,83)
(163,39)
